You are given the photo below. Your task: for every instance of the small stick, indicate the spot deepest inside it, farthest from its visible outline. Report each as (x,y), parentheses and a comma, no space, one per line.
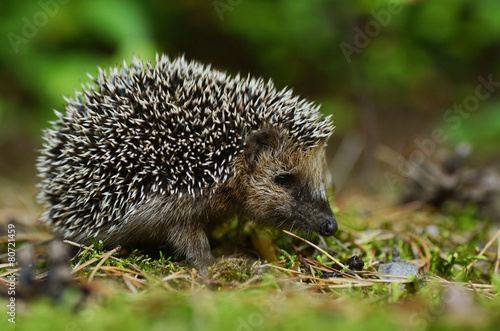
(319,249)
(176,275)
(79,267)
(495,237)
(427,251)
(104,259)
(341,245)
(129,284)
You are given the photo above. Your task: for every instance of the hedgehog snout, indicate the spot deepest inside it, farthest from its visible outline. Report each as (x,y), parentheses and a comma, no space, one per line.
(329,227)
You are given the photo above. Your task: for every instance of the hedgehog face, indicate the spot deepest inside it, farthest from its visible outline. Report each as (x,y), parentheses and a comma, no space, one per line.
(284,187)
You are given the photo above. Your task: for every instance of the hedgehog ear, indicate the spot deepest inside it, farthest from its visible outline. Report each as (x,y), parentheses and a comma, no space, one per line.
(258,141)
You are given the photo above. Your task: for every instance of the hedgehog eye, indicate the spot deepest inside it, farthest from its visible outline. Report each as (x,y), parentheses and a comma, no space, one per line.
(284,179)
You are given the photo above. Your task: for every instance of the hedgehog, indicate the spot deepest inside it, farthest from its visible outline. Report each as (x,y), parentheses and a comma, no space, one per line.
(159,154)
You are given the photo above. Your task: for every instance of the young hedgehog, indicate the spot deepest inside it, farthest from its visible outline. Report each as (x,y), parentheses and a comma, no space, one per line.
(158,154)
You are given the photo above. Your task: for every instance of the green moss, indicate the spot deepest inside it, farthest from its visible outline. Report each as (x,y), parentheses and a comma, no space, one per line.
(231,270)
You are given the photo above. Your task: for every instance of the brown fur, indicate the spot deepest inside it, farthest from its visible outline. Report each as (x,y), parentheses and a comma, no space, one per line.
(251,194)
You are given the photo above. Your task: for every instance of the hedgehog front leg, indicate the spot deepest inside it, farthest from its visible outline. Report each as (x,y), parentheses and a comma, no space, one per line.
(172,221)
(192,242)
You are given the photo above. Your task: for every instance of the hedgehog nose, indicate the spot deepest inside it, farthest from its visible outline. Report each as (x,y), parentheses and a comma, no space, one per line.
(328,227)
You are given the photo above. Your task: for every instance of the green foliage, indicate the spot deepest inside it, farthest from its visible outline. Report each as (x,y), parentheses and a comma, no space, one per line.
(98,245)
(170,294)
(423,58)
(289,259)
(231,270)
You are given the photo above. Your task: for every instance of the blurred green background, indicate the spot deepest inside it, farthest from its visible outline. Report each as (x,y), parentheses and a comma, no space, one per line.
(391,70)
